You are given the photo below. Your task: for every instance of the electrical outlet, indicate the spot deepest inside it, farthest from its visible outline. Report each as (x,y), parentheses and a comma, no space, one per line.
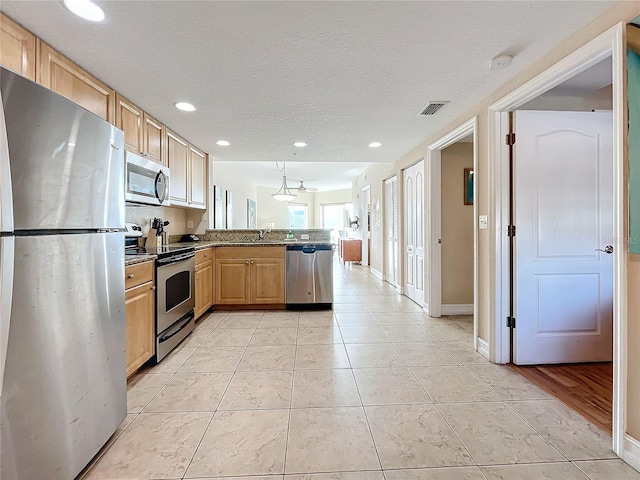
(189,223)
(304,236)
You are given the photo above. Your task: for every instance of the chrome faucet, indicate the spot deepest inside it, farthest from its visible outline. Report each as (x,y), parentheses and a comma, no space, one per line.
(263,233)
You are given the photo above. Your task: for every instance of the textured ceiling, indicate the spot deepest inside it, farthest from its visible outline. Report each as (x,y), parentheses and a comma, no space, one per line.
(337,75)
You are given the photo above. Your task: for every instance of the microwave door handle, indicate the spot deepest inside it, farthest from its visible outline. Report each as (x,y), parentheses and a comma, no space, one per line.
(162,187)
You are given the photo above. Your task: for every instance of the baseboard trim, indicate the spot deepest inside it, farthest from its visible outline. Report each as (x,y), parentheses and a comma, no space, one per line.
(376,273)
(631,453)
(457,309)
(483,348)
(425,308)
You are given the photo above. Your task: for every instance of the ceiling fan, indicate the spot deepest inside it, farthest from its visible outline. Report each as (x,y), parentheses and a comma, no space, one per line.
(302,189)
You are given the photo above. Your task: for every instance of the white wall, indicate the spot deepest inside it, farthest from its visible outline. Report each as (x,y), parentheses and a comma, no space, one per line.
(273,211)
(232,178)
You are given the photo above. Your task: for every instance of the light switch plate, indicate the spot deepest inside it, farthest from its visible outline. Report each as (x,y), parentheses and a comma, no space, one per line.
(483,222)
(304,236)
(189,223)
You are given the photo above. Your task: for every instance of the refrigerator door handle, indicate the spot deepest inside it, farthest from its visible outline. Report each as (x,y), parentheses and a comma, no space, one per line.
(7,253)
(6,193)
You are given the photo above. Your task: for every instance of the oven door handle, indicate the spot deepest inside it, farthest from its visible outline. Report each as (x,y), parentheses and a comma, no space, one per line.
(171,332)
(174,258)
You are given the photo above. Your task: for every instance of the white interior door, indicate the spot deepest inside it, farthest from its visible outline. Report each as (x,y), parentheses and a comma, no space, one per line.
(391,229)
(563,214)
(413,178)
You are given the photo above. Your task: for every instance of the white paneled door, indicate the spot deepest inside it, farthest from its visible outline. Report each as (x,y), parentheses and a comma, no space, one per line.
(391,229)
(564,219)
(413,194)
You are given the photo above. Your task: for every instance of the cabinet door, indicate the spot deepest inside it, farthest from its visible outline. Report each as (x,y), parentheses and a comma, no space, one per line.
(17,48)
(66,78)
(129,120)
(153,139)
(232,281)
(198,178)
(177,161)
(139,314)
(204,287)
(267,280)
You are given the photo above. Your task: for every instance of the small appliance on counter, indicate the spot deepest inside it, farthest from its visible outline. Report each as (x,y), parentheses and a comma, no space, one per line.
(189,238)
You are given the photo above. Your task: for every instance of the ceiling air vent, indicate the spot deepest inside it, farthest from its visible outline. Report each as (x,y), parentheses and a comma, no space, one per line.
(431,108)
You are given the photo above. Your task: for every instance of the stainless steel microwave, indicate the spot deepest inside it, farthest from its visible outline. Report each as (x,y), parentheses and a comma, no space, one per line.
(146,181)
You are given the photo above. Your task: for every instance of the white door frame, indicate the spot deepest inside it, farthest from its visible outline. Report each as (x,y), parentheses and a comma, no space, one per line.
(385,244)
(609,44)
(365,199)
(434,226)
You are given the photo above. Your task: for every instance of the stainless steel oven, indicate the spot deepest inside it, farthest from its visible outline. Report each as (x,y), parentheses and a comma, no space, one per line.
(175,298)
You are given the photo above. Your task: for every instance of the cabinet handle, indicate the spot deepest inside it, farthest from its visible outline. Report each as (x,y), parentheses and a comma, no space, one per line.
(251,262)
(131,275)
(205,255)
(247,262)
(153,287)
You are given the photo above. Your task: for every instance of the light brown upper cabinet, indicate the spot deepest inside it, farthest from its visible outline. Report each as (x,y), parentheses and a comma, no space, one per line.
(153,139)
(143,134)
(198,175)
(178,161)
(129,120)
(17,48)
(61,75)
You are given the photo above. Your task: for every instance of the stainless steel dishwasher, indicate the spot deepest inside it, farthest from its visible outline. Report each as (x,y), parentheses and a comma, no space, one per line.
(309,275)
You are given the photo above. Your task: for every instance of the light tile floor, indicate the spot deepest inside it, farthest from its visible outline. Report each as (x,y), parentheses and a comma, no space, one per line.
(374,390)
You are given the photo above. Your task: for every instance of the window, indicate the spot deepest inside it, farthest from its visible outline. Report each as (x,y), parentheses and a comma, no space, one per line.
(336,217)
(297,216)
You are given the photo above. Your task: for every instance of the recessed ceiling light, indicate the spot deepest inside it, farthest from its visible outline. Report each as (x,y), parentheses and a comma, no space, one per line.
(85,9)
(223,143)
(185,107)
(375,144)
(299,144)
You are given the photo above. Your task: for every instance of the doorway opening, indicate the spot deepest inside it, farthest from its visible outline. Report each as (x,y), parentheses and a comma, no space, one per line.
(555,211)
(366,226)
(452,239)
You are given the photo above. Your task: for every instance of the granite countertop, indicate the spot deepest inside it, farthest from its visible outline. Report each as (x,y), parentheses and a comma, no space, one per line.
(275,243)
(133,259)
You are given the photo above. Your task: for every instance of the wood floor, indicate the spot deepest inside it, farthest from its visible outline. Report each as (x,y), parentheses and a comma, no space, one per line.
(587,388)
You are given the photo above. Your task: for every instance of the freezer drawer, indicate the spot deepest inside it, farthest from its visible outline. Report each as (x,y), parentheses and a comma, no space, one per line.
(64,390)
(309,274)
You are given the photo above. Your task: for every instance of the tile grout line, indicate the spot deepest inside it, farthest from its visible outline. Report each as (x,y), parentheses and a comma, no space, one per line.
(213,414)
(293,377)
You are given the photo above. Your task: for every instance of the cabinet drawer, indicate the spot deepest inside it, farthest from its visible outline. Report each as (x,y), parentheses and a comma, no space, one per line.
(138,274)
(204,255)
(250,252)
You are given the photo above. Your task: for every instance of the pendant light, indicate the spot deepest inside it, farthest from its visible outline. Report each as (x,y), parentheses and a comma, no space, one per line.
(284,194)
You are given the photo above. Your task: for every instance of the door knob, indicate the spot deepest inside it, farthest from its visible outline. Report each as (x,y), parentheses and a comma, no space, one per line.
(608,249)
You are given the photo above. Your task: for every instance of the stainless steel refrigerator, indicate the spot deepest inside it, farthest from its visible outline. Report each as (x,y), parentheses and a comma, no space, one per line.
(62,327)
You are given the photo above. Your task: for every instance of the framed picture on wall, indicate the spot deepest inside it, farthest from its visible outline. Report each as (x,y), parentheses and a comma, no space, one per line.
(251,213)
(229,209)
(219,210)
(468,186)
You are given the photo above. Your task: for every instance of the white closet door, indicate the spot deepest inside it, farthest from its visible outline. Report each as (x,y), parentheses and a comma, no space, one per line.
(564,213)
(414,232)
(391,229)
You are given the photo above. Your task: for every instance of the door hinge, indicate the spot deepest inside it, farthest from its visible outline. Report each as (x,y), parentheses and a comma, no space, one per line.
(511,230)
(510,139)
(511,322)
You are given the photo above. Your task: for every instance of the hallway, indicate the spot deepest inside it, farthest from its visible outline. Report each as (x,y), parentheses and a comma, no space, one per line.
(374,388)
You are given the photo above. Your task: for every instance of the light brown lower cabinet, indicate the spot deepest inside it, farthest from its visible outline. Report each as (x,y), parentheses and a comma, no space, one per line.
(250,275)
(204,280)
(139,300)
